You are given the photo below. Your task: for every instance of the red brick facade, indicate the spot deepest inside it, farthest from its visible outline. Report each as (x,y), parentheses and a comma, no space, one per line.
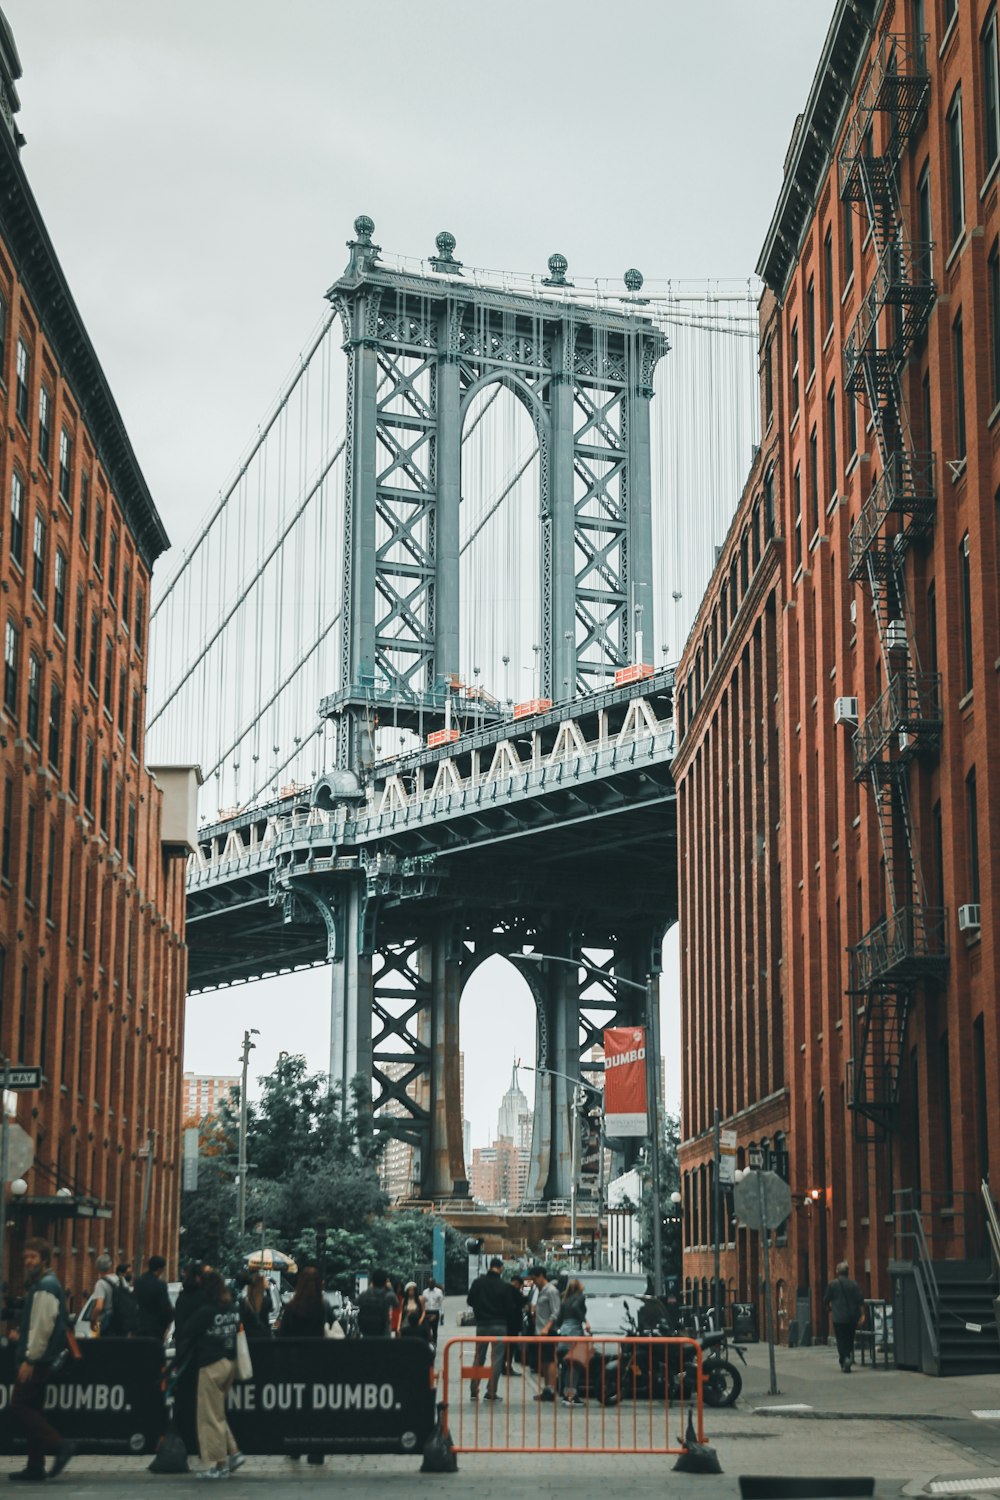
(92,961)
(783,863)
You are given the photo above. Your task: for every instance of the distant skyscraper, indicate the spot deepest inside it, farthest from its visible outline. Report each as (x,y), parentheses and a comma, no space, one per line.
(514,1119)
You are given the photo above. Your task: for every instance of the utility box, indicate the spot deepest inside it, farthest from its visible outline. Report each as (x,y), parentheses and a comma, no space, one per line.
(179,818)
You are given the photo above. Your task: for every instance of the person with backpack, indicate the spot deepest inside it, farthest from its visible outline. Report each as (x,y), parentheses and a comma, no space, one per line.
(375,1306)
(115,1312)
(41,1348)
(209,1339)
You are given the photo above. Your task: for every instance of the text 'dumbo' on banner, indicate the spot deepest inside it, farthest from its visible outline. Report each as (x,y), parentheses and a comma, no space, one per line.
(625,1080)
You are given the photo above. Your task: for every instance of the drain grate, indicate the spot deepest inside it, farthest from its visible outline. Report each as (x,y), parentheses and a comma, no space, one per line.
(963,1486)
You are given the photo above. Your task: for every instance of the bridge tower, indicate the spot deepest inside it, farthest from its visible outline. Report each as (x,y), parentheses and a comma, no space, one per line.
(419,350)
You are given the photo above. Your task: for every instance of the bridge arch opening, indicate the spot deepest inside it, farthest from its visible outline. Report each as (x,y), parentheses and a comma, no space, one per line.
(498,1037)
(500,564)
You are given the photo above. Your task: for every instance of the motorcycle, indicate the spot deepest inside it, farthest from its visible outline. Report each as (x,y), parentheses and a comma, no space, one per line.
(644,1373)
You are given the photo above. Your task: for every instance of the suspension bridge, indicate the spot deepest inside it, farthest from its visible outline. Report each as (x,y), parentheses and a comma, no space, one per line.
(424,661)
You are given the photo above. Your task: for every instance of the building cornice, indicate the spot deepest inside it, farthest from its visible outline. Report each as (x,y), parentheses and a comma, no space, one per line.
(38,268)
(815,140)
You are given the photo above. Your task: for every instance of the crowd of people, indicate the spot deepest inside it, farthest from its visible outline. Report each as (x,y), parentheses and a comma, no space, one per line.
(530,1305)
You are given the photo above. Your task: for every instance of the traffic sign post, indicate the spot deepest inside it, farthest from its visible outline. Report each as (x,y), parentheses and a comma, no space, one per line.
(763,1201)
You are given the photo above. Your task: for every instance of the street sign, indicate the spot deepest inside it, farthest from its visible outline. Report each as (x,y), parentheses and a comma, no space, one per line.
(727,1157)
(24,1078)
(763,1200)
(20,1152)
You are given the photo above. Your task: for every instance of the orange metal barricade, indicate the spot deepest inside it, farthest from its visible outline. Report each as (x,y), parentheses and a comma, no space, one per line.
(613,1410)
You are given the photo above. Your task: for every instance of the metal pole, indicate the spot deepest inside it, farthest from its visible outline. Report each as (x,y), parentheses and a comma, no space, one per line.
(653,1089)
(768,1313)
(241,1199)
(145,1201)
(4,1174)
(574,1156)
(600,1191)
(718,1222)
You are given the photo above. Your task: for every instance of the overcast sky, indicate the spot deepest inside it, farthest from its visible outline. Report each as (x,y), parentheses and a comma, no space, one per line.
(199,164)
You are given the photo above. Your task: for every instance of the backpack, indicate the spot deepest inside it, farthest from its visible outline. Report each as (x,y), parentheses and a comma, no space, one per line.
(121,1315)
(372,1312)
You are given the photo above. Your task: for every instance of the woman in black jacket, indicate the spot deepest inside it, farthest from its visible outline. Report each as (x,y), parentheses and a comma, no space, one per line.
(209,1338)
(306,1317)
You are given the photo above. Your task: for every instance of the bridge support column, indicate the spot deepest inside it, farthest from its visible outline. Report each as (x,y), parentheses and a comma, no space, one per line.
(447,471)
(445,1170)
(559,664)
(350,1000)
(564,1058)
(640,530)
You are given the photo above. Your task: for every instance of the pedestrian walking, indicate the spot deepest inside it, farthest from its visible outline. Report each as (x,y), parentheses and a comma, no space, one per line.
(103,1295)
(491,1300)
(433,1309)
(306,1317)
(547,1310)
(846,1302)
(156,1311)
(254,1304)
(572,1325)
(191,1296)
(41,1348)
(375,1306)
(412,1306)
(209,1338)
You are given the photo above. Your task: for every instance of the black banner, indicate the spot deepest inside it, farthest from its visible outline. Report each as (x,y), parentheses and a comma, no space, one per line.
(326,1396)
(109,1401)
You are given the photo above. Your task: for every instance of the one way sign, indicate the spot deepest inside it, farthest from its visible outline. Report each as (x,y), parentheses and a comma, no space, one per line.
(23,1078)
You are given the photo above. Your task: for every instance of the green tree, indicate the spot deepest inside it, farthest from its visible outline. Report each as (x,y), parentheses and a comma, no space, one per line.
(670,1182)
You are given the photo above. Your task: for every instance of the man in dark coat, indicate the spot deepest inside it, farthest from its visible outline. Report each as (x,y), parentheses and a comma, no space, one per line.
(846,1302)
(156,1312)
(492,1301)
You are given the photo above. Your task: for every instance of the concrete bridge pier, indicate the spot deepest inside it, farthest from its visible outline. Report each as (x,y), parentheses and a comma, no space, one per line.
(445,1169)
(350,998)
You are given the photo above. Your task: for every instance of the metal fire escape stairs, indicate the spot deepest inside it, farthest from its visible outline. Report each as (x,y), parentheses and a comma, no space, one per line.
(908,944)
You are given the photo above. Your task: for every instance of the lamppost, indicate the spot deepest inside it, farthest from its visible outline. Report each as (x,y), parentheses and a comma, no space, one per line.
(241,1198)
(580,1089)
(652,1082)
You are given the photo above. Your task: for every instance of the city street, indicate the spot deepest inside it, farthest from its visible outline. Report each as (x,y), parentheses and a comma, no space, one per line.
(903,1429)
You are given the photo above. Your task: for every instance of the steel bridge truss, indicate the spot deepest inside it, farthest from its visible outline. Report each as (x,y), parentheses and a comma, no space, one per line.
(420,349)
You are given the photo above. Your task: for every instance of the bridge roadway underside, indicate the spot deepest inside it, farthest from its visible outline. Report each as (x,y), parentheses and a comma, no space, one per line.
(593,868)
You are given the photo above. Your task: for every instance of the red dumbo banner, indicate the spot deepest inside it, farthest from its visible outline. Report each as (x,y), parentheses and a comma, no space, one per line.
(625,1080)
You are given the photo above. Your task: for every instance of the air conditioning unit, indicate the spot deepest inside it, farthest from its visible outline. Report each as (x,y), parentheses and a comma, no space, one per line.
(895,635)
(968,918)
(845,710)
(854,611)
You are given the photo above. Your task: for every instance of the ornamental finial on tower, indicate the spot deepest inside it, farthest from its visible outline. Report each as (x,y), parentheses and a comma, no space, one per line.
(633,285)
(363,253)
(445,258)
(558,265)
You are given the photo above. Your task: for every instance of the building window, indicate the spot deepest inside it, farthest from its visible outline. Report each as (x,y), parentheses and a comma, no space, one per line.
(924,249)
(852,424)
(59,592)
(3,339)
(29,862)
(88,777)
(81,607)
(794,362)
(956,170)
(98,535)
(769,503)
(965,581)
(140,620)
(113,563)
(55,725)
(105,797)
(84,515)
(811,324)
(65,467)
(972,815)
(130,848)
(813,483)
(127,597)
(797,487)
(950,12)
(11,666)
(34,696)
(74,756)
(45,426)
(38,549)
(95,646)
(22,399)
(828,287)
(17,518)
(768,383)
(8,826)
(932,638)
(50,875)
(135,723)
(994,282)
(925,393)
(118,816)
(958,345)
(847,242)
(831,439)
(122,699)
(109,659)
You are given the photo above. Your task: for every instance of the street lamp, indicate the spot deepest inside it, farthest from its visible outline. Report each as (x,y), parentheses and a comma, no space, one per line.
(580,1088)
(652,1083)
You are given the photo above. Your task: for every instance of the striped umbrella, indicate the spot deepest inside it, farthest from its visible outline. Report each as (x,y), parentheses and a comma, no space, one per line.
(271,1260)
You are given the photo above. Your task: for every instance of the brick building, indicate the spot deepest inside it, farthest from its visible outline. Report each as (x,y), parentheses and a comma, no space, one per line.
(839,781)
(202,1094)
(92,959)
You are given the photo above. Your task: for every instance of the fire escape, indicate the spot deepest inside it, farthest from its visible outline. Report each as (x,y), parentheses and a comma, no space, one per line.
(907,946)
